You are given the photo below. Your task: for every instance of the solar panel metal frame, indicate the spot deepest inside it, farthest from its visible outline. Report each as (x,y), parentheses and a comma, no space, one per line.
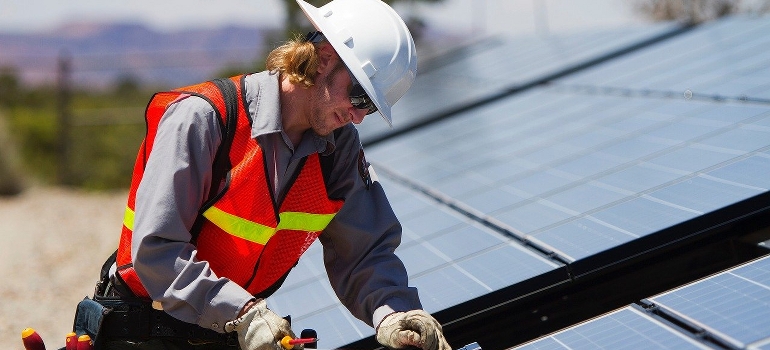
(700,331)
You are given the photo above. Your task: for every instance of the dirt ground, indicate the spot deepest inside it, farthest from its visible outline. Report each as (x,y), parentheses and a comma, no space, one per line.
(54,243)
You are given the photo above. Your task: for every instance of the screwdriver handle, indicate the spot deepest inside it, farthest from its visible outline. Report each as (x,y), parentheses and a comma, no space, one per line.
(32,340)
(85,343)
(71,341)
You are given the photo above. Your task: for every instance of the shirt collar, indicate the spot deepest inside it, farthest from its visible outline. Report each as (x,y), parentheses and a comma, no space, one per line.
(264,106)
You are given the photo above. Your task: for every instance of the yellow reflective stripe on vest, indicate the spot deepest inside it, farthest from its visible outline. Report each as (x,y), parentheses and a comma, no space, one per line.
(128,219)
(304,221)
(258,233)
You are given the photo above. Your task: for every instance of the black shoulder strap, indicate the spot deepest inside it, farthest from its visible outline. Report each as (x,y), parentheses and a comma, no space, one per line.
(221,165)
(105,271)
(222,159)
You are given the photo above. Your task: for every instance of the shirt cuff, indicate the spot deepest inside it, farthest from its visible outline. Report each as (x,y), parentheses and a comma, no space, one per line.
(224,307)
(391,306)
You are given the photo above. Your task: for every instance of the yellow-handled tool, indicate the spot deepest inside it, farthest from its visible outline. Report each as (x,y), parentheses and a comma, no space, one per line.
(288,342)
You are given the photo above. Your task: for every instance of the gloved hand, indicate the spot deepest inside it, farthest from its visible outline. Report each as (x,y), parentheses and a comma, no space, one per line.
(260,329)
(416,328)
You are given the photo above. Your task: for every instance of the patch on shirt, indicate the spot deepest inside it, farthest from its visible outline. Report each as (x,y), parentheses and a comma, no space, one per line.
(363,169)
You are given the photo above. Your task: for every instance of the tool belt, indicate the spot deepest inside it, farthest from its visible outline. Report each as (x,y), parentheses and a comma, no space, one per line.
(138,321)
(114,315)
(135,320)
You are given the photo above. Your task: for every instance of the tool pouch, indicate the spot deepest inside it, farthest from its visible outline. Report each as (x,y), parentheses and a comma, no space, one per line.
(115,313)
(89,319)
(135,320)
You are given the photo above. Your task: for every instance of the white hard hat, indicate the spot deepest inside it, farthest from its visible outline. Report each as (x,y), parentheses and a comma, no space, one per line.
(373,42)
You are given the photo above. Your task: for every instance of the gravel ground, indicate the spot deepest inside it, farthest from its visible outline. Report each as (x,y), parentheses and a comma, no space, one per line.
(55,241)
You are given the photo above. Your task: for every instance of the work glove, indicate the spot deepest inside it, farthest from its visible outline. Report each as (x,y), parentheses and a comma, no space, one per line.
(412,328)
(260,329)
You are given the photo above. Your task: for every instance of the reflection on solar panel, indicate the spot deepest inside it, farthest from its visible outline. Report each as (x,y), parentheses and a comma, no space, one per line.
(579,181)
(493,67)
(558,184)
(627,328)
(723,60)
(730,309)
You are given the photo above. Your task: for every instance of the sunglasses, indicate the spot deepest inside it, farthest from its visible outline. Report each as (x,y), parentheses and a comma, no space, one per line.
(358,97)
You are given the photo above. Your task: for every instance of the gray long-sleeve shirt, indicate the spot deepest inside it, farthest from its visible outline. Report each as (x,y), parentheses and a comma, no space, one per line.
(358,243)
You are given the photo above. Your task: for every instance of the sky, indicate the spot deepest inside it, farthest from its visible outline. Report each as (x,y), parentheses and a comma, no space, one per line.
(476,17)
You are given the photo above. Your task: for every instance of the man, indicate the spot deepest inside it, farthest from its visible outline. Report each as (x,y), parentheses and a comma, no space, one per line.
(207,245)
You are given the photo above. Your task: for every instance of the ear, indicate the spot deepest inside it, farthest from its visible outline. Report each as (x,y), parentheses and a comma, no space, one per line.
(326,57)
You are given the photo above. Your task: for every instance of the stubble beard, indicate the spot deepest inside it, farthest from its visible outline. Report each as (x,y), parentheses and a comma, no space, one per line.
(318,122)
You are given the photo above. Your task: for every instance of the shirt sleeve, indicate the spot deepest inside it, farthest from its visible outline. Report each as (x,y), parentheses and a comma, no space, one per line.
(359,243)
(175,184)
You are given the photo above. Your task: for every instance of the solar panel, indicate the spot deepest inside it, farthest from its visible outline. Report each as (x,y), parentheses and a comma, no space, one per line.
(577,172)
(722,59)
(626,328)
(735,304)
(731,309)
(494,66)
(537,173)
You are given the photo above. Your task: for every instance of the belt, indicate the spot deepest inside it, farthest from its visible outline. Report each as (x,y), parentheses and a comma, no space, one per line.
(137,320)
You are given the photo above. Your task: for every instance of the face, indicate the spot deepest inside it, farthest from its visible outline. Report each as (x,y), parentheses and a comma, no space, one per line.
(331,101)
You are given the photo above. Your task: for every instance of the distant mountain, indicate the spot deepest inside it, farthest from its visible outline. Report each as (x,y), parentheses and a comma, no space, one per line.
(103,53)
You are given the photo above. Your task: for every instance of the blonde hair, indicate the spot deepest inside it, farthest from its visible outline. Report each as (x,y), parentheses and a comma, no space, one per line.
(297,59)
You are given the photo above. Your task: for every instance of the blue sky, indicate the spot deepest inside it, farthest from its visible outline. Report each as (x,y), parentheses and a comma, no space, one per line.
(509,17)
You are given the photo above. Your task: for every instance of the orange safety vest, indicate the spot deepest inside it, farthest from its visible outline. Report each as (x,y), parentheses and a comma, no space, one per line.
(240,231)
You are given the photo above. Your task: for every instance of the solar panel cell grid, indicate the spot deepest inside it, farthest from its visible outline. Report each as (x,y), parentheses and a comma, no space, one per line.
(703,195)
(538,183)
(750,171)
(445,287)
(434,221)
(632,149)
(488,201)
(443,244)
(716,59)
(585,197)
(466,241)
(734,304)
(460,184)
(532,216)
(622,329)
(733,113)
(421,257)
(692,158)
(299,302)
(497,267)
(582,237)
(639,177)
(410,206)
(643,216)
(741,140)
(687,129)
